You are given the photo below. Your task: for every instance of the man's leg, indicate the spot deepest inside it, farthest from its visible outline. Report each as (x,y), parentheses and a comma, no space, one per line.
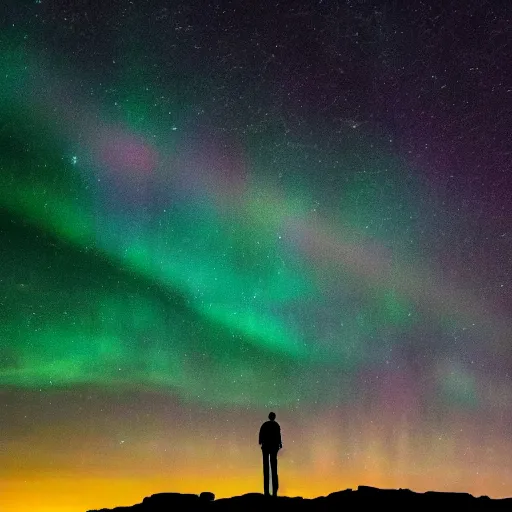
(265,471)
(273,467)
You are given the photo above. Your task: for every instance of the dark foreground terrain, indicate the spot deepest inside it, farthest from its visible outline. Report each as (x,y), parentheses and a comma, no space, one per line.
(363,499)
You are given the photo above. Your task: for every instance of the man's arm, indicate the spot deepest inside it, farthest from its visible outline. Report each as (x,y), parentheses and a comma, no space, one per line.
(260,437)
(280,440)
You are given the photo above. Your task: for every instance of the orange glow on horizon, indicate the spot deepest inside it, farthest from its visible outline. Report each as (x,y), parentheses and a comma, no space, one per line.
(79,492)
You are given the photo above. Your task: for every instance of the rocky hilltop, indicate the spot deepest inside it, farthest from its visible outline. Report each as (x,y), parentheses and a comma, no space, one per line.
(361,499)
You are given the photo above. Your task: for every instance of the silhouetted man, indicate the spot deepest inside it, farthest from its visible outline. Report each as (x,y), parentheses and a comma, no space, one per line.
(270,441)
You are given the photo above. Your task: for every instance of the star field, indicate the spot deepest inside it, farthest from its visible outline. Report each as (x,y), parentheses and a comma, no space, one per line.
(213,209)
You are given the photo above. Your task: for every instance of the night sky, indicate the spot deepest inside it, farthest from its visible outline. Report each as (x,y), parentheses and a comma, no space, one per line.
(214,209)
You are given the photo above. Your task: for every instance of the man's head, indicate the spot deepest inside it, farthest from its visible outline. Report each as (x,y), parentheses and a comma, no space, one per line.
(272,416)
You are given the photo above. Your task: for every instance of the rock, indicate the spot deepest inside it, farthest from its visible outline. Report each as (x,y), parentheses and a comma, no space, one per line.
(364,498)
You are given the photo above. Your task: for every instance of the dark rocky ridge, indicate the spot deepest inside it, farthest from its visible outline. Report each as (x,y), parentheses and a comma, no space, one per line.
(361,499)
